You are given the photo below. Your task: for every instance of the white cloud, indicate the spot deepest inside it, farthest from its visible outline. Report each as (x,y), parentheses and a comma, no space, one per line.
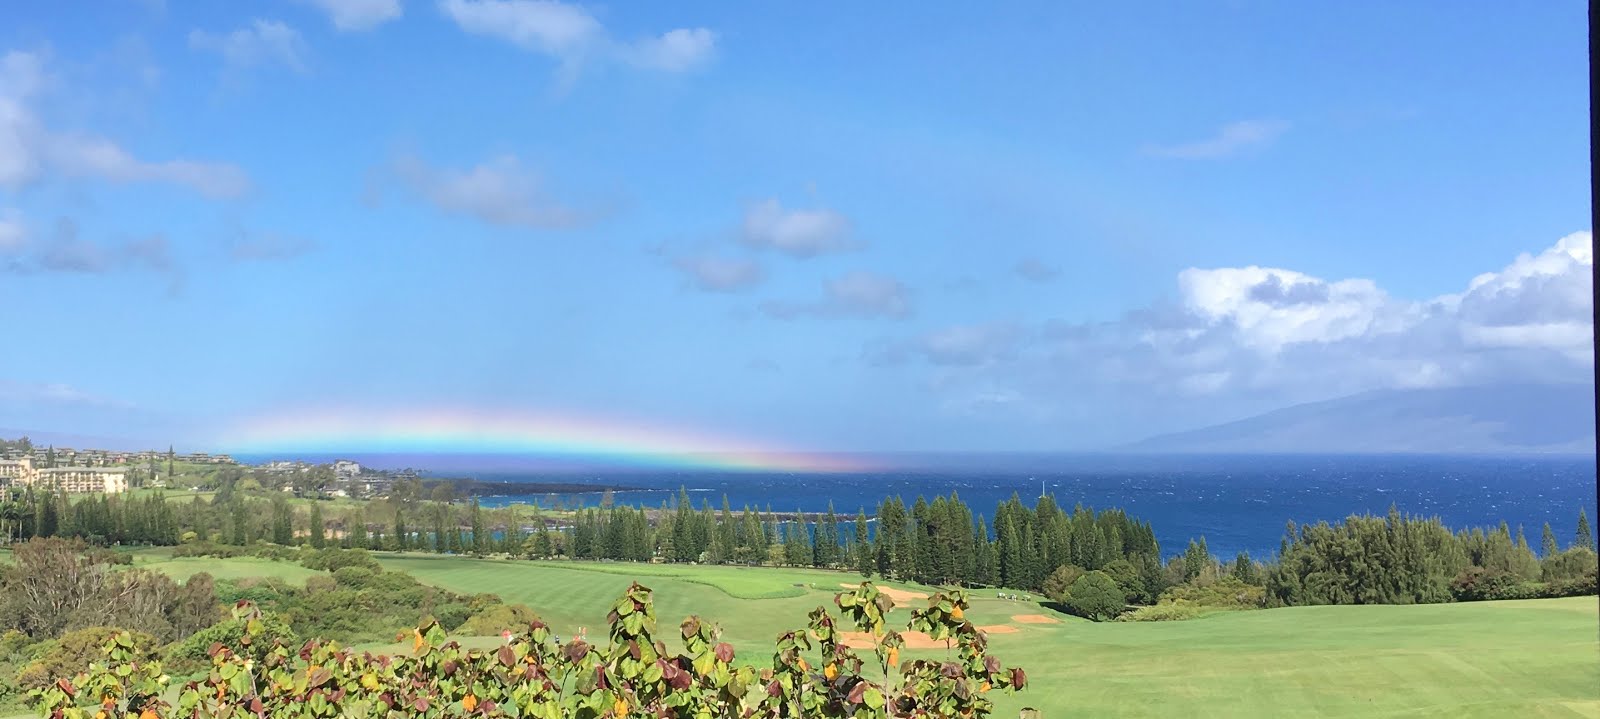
(1274,336)
(857,294)
(554,28)
(713,273)
(573,36)
(358,15)
(798,233)
(88,156)
(678,50)
(1232,138)
(29,150)
(263,42)
(499,192)
(1273,307)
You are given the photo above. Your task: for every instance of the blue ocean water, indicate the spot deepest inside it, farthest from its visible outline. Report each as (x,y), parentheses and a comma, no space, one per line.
(1235,502)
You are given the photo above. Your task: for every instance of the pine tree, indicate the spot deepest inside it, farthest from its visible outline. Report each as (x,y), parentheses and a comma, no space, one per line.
(1547,545)
(282,522)
(317,531)
(863,545)
(480,543)
(1585,536)
(401,541)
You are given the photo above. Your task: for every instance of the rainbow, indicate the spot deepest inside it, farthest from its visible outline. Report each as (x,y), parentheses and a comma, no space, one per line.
(448,431)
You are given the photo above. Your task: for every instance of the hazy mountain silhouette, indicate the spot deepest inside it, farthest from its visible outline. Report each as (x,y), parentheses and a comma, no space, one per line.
(1498,419)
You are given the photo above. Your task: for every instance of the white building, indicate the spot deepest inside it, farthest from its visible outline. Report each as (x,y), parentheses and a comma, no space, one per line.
(22,473)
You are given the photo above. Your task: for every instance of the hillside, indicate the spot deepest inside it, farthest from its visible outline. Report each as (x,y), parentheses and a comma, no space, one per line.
(1503,419)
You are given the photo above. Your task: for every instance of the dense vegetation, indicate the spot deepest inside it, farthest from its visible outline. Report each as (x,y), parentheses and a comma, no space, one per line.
(813,673)
(60,598)
(1043,548)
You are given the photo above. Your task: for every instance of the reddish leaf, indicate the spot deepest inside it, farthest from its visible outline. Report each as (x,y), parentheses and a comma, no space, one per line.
(1018,678)
(724,651)
(507,656)
(857,693)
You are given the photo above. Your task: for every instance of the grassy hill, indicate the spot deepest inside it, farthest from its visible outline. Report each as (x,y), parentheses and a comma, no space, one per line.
(1534,658)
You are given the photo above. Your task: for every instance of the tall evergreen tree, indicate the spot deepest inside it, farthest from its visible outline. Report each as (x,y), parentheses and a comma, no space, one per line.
(1547,545)
(480,542)
(1585,536)
(863,545)
(318,533)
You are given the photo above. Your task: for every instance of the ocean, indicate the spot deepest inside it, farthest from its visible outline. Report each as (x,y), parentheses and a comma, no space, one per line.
(1235,502)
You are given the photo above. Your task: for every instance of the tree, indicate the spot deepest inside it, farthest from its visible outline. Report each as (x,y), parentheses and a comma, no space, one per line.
(863,545)
(318,532)
(1059,583)
(480,542)
(1245,569)
(1547,544)
(282,521)
(1585,536)
(1095,596)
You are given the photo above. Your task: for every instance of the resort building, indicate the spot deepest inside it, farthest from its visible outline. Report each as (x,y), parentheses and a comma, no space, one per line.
(73,480)
(22,473)
(14,471)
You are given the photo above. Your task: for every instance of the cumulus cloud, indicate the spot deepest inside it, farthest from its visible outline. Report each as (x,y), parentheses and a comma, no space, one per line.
(857,294)
(573,36)
(714,273)
(262,42)
(1231,139)
(1035,270)
(798,233)
(29,150)
(1280,336)
(499,192)
(358,15)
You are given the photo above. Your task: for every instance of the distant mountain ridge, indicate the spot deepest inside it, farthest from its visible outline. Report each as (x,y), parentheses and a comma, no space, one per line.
(1504,419)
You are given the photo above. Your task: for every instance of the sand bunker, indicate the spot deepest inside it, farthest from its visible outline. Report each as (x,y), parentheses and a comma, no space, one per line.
(913,640)
(1034,619)
(917,640)
(900,596)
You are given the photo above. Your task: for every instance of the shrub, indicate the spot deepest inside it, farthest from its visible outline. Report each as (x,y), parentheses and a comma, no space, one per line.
(1477,584)
(353,577)
(1576,587)
(451,615)
(1228,592)
(1164,612)
(73,652)
(332,558)
(193,654)
(497,619)
(812,674)
(1095,596)
(1056,585)
(1574,563)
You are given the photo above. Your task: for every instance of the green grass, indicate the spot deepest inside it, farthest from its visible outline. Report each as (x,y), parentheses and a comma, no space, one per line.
(1536,658)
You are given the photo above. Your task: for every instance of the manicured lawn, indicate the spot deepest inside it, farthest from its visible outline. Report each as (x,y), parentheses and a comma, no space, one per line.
(1538,658)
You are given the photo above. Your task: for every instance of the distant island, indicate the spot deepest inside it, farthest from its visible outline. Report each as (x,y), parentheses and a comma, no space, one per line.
(1505,419)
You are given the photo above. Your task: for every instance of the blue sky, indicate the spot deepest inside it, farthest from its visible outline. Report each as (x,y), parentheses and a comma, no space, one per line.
(903,227)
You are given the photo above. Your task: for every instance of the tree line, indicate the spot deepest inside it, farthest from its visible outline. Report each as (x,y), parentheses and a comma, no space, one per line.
(1389,559)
